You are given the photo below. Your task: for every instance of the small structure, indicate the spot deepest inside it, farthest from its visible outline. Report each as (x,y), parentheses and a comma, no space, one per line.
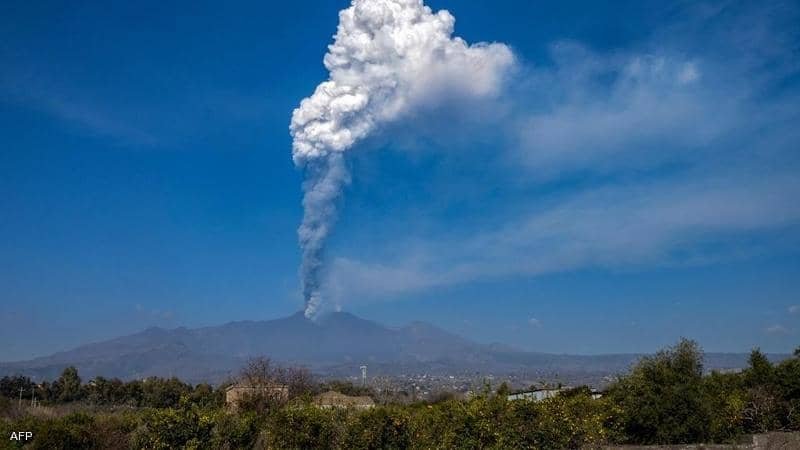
(541,394)
(238,392)
(537,395)
(333,399)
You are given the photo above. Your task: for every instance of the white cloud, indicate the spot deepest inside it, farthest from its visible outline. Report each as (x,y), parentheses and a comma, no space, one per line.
(688,74)
(603,112)
(621,226)
(534,322)
(794,309)
(777,329)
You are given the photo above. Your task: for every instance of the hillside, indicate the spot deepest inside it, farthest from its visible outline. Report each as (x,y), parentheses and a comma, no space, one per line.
(335,344)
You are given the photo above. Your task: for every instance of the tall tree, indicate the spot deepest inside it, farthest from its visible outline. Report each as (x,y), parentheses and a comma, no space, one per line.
(662,398)
(68,385)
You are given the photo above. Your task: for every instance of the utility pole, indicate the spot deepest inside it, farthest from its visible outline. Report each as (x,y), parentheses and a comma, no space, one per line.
(364,376)
(20,396)
(33,397)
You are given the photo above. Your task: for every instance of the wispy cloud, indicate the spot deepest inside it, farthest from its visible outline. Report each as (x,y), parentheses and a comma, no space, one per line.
(71,107)
(534,322)
(130,120)
(153,314)
(777,329)
(606,112)
(620,226)
(794,309)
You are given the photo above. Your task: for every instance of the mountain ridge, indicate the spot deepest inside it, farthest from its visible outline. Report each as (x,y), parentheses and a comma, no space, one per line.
(335,344)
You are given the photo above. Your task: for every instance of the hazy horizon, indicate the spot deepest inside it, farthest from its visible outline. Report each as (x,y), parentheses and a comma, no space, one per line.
(390,325)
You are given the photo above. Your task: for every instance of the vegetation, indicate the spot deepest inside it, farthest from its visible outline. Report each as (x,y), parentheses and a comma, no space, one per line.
(666,398)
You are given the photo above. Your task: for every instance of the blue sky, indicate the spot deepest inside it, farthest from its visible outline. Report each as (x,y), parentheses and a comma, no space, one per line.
(636,180)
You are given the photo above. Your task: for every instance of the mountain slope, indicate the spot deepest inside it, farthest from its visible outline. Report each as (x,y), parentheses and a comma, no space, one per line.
(336,344)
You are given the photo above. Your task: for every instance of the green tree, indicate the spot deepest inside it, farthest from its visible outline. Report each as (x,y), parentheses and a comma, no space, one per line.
(384,428)
(170,428)
(760,372)
(662,399)
(204,396)
(726,396)
(68,386)
(787,389)
(306,427)
(163,393)
(761,408)
(70,432)
(10,386)
(235,431)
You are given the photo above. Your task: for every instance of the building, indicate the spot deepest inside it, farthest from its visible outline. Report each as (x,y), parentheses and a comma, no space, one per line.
(537,395)
(541,394)
(237,392)
(333,399)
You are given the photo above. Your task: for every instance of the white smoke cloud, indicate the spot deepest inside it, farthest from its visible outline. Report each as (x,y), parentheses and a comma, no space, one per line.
(389,58)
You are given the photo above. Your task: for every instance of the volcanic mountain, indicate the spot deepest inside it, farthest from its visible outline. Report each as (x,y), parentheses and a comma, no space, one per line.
(336,344)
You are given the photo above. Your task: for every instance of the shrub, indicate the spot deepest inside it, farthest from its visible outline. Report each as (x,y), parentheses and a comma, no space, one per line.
(70,432)
(306,427)
(573,421)
(232,431)
(662,398)
(379,428)
(456,424)
(172,428)
(726,399)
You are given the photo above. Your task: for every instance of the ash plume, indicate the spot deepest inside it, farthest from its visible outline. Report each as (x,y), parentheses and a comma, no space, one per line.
(388,59)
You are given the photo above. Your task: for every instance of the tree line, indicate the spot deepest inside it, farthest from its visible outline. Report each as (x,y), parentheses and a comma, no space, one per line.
(666,398)
(152,392)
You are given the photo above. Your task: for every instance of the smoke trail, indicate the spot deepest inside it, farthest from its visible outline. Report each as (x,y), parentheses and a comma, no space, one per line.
(324,180)
(388,58)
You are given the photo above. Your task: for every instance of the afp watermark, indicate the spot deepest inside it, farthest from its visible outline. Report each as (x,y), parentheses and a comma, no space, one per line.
(21,436)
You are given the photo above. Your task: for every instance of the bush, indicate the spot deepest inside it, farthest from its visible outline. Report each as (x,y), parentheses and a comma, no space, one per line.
(456,424)
(172,428)
(384,428)
(232,431)
(70,432)
(114,430)
(306,427)
(726,399)
(663,400)
(573,421)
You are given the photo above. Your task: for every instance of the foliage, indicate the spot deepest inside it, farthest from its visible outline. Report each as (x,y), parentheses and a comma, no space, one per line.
(725,397)
(68,386)
(306,427)
(172,428)
(10,386)
(662,398)
(384,428)
(665,399)
(231,431)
